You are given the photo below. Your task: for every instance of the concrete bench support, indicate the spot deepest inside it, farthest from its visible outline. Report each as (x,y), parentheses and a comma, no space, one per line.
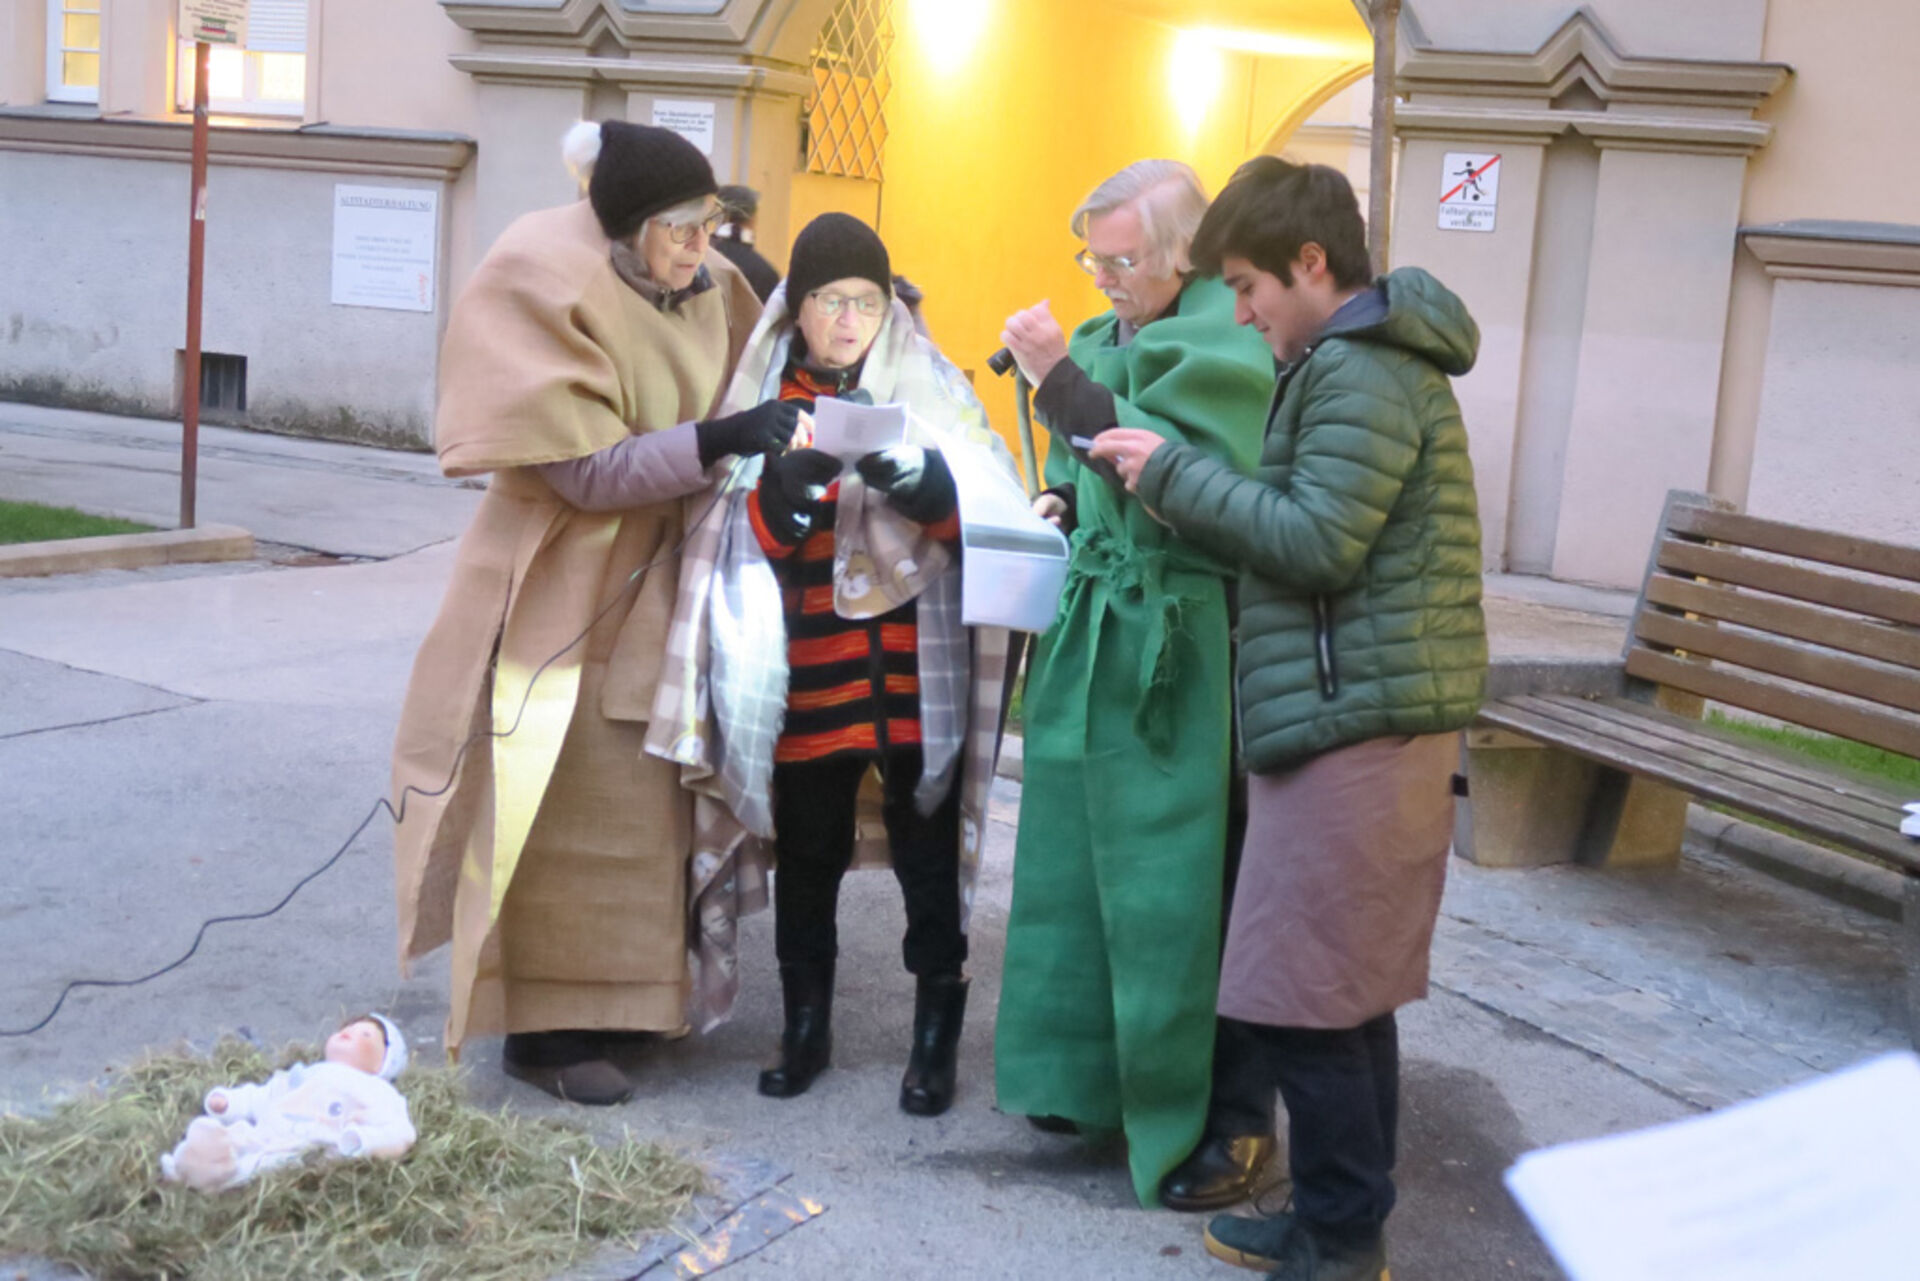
(1529,805)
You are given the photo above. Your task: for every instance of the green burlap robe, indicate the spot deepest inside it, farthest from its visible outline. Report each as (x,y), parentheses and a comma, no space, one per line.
(1113,945)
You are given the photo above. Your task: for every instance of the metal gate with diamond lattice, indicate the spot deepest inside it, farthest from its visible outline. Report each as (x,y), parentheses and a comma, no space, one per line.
(847,116)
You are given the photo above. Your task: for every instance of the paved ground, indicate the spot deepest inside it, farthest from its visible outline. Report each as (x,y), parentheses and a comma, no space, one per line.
(178,743)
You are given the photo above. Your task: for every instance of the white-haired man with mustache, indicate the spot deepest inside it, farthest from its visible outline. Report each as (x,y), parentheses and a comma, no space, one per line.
(1113,944)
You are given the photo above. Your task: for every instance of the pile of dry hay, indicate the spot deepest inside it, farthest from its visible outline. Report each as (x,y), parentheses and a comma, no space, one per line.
(481,1195)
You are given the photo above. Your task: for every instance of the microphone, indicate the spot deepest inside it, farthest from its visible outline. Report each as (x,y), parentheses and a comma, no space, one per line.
(858,396)
(1000,361)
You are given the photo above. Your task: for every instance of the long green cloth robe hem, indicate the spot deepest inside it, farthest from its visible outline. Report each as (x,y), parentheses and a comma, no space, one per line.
(1106,1009)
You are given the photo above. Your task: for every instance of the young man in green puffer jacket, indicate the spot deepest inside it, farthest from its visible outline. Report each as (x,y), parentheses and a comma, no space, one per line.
(1362,655)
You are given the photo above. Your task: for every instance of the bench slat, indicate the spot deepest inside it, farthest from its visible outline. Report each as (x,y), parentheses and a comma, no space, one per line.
(1743,569)
(1887,642)
(1881,729)
(1843,675)
(1713,747)
(1828,546)
(1883,842)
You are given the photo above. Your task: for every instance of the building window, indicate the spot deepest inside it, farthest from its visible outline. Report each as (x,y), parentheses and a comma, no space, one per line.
(73,50)
(266,78)
(846,120)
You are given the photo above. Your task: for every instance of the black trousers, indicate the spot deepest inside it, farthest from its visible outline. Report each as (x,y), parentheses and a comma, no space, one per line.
(1342,1091)
(813,813)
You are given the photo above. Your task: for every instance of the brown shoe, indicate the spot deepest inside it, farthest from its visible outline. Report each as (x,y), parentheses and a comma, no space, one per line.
(1224,1170)
(568,1065)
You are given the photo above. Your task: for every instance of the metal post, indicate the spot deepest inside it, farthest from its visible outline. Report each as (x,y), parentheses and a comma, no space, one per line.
(1023,402)
(1385,15)
(196,270)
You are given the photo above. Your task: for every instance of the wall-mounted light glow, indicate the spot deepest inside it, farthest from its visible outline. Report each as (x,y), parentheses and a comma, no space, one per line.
(1279,44)
(1194,73)
(948,30)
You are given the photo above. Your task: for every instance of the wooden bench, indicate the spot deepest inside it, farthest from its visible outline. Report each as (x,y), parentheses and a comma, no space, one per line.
(1799,626)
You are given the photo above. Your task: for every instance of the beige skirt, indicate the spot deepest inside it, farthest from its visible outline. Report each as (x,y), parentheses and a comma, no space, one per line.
(1340,881)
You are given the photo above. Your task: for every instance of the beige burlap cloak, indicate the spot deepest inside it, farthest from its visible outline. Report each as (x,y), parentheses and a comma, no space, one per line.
(551,851)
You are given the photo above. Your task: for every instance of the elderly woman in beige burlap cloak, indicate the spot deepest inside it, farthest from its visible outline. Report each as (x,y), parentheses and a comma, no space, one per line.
(821,688)
(582,367)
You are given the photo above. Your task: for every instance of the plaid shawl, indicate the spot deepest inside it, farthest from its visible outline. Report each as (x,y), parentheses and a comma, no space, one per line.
(721,696)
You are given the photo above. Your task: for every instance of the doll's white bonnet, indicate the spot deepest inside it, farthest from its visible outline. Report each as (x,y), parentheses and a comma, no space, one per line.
(395,1061)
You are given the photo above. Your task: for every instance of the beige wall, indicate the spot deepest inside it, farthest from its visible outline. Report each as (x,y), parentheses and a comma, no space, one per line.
(1843,127)
(23,52)
(385,63)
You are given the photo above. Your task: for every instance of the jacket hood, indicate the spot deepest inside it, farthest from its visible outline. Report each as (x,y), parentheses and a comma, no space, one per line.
(1423,317)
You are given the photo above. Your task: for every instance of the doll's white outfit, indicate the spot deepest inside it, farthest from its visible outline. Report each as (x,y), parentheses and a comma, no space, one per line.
(327,1106)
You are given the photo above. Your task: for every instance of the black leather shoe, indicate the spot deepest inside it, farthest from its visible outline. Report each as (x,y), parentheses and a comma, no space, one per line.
(939,1008)
(806,1045)
(1224,1170)
(1054,1124)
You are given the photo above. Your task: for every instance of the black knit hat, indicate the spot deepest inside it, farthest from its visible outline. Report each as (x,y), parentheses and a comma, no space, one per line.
(641,171)
(836,246)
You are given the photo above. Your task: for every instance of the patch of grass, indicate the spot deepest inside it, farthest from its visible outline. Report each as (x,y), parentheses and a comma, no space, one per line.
(481,1196)
(33,523)
(1892,767)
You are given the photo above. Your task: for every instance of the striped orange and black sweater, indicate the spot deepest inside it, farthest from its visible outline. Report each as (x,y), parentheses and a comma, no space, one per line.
(854,684)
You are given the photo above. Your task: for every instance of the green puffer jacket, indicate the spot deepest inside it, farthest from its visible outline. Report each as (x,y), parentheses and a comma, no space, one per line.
(1358,538)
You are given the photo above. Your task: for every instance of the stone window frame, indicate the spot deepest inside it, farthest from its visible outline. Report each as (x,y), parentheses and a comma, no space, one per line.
(277,42)
(58,88)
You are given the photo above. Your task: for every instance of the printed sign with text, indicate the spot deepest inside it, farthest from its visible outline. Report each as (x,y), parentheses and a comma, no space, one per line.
(691,120)
(1469,191)
(385,245)
(213,21)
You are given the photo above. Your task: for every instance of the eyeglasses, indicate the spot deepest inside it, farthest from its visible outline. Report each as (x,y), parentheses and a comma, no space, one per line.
(1091,263)
(683,232)
(868,305)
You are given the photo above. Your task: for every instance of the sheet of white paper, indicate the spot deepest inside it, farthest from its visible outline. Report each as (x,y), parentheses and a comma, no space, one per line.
(1818,1180)
(851,431)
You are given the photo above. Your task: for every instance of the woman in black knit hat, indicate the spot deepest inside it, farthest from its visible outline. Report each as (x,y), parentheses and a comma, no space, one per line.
(581,371)
(881,675)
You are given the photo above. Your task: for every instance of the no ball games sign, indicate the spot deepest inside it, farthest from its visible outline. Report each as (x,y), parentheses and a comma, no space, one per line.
(213,21)
(1469,191)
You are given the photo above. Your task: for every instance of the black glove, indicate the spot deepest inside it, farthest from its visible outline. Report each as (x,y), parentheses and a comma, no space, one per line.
(791,488)
(761,430)
(916,481)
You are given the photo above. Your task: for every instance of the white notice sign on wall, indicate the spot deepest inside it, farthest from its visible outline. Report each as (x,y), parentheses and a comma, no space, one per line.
(213,21)
(1469,191)
(385,245)
(691,120)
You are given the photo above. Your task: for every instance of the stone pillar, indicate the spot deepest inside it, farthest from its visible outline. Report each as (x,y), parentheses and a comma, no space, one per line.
(1602,286)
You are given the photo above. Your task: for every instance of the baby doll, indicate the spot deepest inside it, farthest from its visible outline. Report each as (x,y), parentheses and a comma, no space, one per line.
(345,1106)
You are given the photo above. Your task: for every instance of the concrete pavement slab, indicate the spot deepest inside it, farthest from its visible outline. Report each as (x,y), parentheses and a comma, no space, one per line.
(43,695)
(329,635)
(348,500)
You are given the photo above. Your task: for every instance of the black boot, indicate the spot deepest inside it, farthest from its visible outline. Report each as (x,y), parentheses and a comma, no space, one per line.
(939,1007)
(807,1043)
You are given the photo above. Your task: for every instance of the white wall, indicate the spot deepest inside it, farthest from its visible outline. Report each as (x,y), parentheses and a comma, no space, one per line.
(1838,439)
(94,302)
